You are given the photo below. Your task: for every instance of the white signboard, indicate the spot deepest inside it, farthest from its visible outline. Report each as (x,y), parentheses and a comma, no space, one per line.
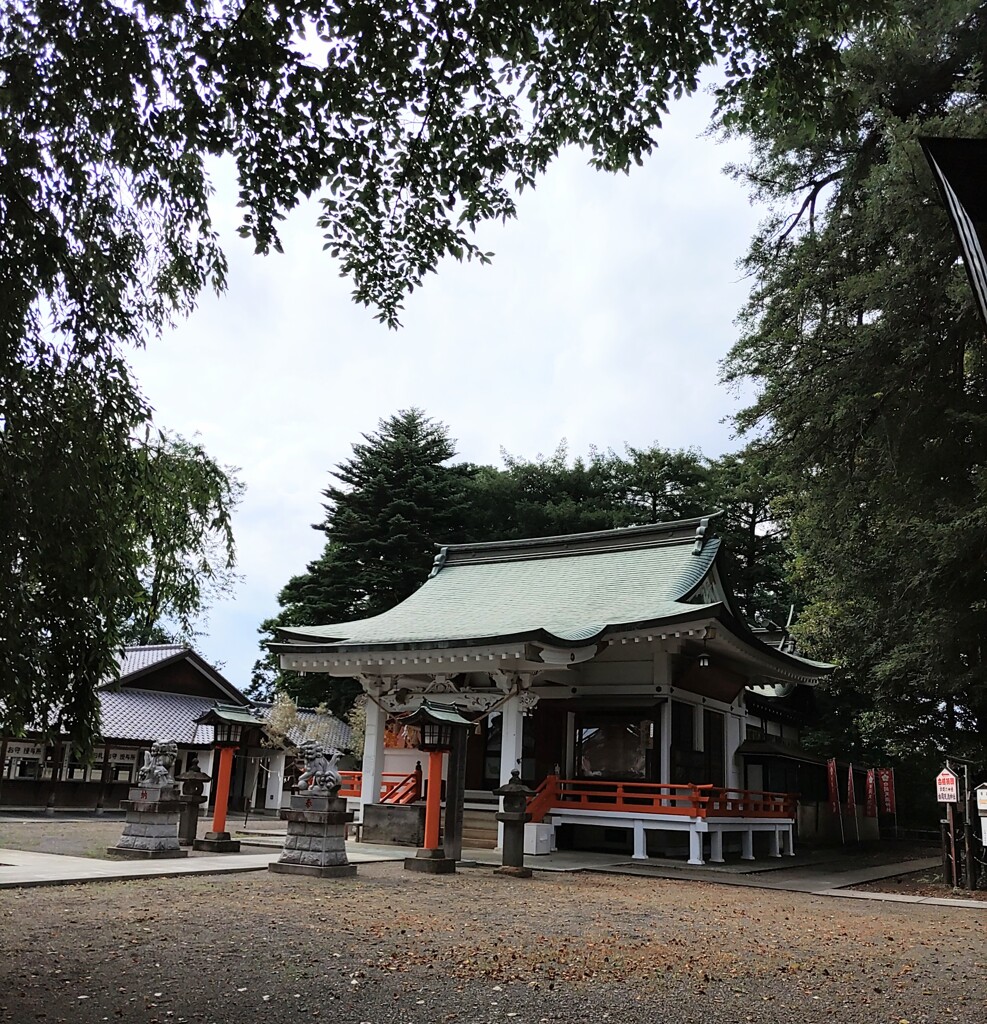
(982,799)
(947,787)
(24,750)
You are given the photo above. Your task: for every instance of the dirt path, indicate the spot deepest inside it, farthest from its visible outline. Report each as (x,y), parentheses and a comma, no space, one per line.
(389,948)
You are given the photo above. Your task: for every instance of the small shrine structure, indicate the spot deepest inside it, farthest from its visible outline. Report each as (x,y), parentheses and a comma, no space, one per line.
(611,669)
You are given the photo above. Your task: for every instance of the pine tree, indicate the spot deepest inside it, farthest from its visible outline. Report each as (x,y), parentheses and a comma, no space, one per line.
(395,499)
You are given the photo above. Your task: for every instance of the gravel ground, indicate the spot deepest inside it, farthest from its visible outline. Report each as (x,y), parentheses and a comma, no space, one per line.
(391,948)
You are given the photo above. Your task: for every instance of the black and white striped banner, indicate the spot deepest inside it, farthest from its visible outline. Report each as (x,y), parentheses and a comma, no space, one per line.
(960,170)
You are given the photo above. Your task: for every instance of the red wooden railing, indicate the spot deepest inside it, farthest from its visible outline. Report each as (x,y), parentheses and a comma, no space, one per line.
(689,800)
(395,787)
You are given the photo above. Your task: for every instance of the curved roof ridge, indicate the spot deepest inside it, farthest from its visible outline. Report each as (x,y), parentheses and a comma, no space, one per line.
(680,531)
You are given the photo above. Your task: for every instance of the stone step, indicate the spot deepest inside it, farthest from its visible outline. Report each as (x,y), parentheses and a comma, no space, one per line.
(479,844)
(480,818)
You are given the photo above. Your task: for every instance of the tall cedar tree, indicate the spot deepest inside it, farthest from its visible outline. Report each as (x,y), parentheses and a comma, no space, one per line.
(395,500)
(863,339)
(400,497)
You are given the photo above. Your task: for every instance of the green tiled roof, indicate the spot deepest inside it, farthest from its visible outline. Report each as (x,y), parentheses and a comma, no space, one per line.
(570,589)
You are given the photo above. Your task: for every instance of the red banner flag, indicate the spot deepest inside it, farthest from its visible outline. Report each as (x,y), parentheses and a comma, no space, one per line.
(885,777)
(851,797)
(870,795)
(834,787)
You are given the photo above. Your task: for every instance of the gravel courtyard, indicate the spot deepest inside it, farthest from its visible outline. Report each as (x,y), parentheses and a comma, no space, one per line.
(391,948)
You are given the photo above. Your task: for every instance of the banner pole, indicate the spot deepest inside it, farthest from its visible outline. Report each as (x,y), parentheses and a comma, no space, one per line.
(895,791)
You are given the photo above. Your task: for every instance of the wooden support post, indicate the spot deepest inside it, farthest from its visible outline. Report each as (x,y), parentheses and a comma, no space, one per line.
(695,846)
(716,847)
(452,841)
(104,773)
(431,858)
(222,789)
(433,800)
(774,849)
(373,756)
(747,844)
(3,765)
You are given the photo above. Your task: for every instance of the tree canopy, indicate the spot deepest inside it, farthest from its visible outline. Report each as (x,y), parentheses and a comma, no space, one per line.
(411,122)
(863,338)
(398,497)
(87,571)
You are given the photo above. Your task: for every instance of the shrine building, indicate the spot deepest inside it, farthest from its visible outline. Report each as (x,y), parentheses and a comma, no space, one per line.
(614,670)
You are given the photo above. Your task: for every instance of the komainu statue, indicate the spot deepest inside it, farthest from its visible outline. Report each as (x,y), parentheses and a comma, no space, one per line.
(158,762)
(320,773)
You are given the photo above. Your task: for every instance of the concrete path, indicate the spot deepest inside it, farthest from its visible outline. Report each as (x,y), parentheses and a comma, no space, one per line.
(19,868)
(821,882)
(22,869)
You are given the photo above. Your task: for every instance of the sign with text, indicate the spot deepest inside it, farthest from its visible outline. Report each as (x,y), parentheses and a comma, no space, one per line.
(25,750)
(885,776)
(870,795)
(947,787)
(834,787)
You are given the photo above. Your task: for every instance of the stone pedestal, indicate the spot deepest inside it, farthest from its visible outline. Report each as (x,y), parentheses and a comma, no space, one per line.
(217,842)
(431,862)
(151,827)
(316,843)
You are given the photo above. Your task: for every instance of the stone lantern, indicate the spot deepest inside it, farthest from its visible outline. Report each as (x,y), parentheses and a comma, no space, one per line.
(514,816)
(193,782)
(228,722)
(437,723)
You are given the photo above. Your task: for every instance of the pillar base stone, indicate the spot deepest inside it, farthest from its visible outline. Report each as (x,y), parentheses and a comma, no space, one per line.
(217,842)
(132,853)
(430,862)
(512,872)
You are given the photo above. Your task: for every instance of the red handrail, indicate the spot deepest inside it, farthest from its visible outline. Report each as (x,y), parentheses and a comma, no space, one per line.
(687,800)
(395,787)
(406,791)
(545,797)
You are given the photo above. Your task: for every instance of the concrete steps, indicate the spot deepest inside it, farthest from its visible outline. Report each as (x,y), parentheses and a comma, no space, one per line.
(479,828)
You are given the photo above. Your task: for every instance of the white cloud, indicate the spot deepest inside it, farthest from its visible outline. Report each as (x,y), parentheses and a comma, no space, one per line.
(602,320)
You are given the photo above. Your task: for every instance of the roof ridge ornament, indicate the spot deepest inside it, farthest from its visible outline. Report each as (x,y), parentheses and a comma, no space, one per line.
(697,548)
(439,561)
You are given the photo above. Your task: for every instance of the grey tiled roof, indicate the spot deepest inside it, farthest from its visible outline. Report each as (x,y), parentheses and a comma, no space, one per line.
(568,588)
(134,714)
(136,659)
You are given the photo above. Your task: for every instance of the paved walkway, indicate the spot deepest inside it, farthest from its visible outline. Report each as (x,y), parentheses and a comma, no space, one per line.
(815,876)
(820,881)
(23,869)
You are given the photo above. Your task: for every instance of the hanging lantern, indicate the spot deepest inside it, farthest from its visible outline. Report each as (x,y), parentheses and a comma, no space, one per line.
(436,722)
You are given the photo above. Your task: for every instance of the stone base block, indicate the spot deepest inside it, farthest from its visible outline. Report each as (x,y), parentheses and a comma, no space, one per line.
(394,824)
(217,842)
(135,853)
(513,872)
(328,871)
(430,865)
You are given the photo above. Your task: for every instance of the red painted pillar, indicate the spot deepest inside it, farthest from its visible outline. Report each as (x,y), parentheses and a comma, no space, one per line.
(222,788)
(433,800)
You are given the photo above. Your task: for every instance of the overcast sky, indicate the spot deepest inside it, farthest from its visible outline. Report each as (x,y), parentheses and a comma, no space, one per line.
(609,304)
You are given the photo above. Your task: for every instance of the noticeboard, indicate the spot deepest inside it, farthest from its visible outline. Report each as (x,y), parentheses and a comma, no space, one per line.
(947,787)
